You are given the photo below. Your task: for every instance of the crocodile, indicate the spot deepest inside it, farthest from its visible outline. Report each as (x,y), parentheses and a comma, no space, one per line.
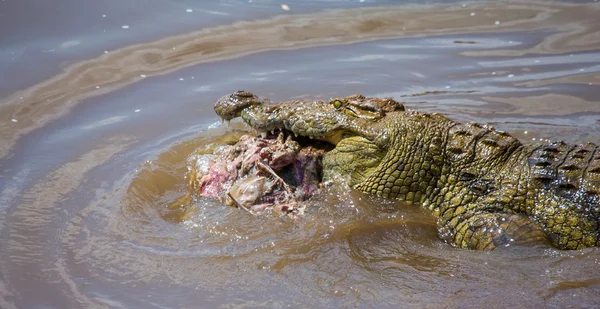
(485,187)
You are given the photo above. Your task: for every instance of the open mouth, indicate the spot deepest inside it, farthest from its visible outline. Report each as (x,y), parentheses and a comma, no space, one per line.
(282,166)
(271,171)
(321,142)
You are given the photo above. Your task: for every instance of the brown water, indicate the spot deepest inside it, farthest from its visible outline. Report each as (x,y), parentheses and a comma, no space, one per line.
(93,148)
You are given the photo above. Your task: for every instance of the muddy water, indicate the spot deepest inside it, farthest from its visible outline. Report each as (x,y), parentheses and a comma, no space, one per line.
(101,105)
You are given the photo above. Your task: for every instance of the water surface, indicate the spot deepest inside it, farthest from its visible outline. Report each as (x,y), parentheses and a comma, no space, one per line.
(97,121)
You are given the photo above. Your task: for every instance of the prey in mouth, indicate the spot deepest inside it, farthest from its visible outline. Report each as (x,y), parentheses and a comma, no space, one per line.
(282,165)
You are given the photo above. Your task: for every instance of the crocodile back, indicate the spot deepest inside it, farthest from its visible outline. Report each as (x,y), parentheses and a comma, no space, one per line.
(571,172)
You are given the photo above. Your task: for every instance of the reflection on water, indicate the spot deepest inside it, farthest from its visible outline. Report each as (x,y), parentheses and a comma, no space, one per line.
(91,159)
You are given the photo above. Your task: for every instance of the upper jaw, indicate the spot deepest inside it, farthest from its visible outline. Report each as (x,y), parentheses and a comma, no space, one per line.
(329,121)
(315,120)
(231,105)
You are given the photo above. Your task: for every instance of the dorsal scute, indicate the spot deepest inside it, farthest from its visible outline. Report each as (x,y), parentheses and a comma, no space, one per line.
(494,146)
(545,160)
(569,173)
(591,178)
(462,139)
(474,144)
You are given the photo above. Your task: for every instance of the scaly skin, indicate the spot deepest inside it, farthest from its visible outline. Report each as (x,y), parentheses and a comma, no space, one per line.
(230,106)
(485,187)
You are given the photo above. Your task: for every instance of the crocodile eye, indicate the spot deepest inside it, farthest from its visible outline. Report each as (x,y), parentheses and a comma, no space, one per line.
(337,104)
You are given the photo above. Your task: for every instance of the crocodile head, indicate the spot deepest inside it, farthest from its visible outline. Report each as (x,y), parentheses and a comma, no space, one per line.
(354,126)
(329,121)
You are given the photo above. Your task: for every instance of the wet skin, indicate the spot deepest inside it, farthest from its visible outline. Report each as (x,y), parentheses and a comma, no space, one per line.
(485,187)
